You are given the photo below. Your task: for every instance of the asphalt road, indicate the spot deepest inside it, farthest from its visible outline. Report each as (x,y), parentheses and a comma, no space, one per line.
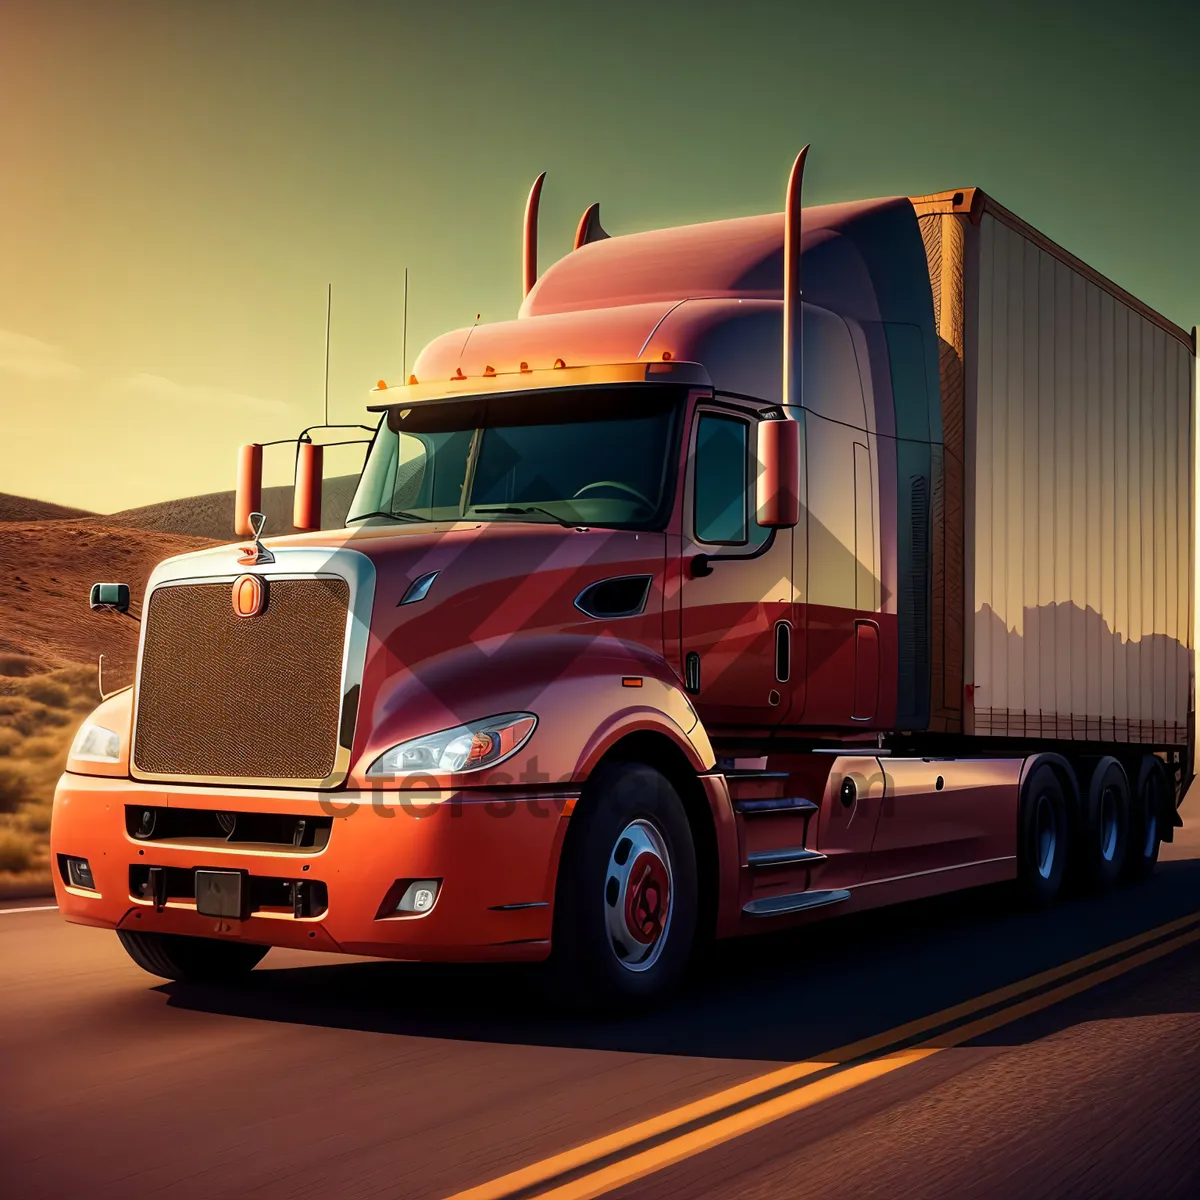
(324,1076)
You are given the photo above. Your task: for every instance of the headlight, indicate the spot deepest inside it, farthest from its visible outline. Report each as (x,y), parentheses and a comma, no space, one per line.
(94,743)
(468,747)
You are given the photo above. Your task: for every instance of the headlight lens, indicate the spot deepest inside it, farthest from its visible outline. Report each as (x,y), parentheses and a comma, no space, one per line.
(94,743)
(464,748)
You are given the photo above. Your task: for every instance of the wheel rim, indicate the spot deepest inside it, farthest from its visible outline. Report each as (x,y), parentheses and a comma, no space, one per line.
(1045,836)
(637,895)
(1109,824)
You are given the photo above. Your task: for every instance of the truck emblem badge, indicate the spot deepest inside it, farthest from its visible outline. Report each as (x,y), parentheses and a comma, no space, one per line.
(249,595)
(257,553)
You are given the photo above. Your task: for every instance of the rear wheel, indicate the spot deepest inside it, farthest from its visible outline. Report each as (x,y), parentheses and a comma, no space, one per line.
(1149,799)
(1042,836)
(174,956)
(1104,829)
(625,911)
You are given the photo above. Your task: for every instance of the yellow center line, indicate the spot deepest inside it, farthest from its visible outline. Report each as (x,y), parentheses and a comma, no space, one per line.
(707,1137)
(600,1148)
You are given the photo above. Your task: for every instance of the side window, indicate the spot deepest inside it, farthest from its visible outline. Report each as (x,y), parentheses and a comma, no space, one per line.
(722,480)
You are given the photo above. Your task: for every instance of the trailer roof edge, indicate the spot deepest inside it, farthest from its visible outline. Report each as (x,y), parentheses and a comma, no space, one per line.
(973,203)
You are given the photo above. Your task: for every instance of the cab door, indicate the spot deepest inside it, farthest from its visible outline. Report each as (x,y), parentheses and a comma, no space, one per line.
(739,643)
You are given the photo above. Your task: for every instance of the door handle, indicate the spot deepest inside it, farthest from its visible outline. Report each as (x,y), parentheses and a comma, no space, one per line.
(783,651)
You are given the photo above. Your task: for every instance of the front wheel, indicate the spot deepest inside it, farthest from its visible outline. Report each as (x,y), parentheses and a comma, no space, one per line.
(625,911)
(175,956)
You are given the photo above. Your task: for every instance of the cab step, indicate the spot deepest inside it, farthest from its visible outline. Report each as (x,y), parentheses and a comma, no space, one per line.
(785,857)
(778,906)
(774,805)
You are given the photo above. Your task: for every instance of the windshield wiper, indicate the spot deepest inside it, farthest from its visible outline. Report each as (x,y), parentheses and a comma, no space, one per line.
(519,511)
(400,514)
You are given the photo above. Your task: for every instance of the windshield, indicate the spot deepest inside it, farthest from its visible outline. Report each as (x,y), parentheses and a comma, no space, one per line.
(583,457)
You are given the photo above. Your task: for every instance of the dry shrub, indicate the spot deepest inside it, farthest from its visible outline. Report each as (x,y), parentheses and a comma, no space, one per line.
(19,665)
(48,691)
(16,785)
(38,717)
(18,851)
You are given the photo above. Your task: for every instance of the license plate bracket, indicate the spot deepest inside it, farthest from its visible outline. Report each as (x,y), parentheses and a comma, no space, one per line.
(222,894)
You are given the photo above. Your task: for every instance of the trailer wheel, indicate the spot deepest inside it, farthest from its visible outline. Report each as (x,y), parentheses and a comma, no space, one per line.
(1145,827)
(1104,829)
(1043,836)
(626,904)
(175,956)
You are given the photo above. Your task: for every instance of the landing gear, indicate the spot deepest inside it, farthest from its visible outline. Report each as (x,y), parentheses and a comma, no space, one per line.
(174,956)
(625,913)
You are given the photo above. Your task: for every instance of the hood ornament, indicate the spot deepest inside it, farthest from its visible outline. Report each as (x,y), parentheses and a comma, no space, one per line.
(257,553)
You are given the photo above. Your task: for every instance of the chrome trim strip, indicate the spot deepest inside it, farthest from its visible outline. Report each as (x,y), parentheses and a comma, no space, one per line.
(983,862)
(220,565)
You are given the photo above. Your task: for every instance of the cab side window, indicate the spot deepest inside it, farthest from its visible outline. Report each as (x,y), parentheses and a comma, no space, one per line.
(722,480)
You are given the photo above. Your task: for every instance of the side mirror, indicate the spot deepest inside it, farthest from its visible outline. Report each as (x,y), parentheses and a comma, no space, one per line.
(109,597)
(306,502)
(249,488)
(778,484)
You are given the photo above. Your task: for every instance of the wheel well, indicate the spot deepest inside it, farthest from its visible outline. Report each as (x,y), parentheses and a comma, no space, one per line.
(658,751)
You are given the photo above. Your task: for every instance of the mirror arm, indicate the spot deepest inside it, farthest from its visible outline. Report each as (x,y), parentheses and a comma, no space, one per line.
(701,564)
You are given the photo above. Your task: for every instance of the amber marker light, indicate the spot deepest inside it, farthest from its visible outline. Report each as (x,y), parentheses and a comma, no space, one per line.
(381,386)
(632,681)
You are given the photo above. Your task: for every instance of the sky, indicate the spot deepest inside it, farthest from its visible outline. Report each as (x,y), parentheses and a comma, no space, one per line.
(180,181)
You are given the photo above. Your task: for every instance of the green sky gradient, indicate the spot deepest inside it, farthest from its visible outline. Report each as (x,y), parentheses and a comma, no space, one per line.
(180,180)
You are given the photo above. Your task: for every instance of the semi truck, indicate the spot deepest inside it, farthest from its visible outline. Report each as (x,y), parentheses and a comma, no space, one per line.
(759,571)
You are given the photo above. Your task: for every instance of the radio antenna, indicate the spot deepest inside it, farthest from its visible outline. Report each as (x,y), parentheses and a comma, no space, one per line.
(328,311)
(404,330)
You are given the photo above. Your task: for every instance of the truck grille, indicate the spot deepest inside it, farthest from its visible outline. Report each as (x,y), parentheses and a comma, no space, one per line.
(242,697)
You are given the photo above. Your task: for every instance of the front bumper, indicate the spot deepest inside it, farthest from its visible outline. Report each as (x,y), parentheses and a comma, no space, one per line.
(496,855)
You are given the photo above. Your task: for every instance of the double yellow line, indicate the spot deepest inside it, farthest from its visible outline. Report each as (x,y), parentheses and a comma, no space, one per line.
(619,1158)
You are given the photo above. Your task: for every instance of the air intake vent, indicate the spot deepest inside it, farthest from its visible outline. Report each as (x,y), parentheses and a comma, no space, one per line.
(623,596)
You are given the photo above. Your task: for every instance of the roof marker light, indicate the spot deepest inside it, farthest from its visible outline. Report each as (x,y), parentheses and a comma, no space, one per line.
(525,368)
(666,356)
(559,364)
(489,372)
(458,373)
(412,381)
(381,386)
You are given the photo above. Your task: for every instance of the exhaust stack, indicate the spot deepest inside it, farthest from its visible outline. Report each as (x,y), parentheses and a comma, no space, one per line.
(590,229)
(529,246)
(793,349)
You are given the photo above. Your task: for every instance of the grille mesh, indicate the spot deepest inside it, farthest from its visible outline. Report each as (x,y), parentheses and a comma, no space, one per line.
(245,697)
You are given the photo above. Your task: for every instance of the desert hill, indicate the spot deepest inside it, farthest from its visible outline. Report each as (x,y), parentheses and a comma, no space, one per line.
(211,515)
(22,508)
(46,570)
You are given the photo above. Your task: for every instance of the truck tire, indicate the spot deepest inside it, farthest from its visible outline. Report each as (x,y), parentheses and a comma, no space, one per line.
(1104,826)
(174,956)
(1043,836)
(1146,823)
(626,902)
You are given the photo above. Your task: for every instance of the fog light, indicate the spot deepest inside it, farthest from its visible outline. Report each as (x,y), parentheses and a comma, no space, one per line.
(419,896)
(79,874)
